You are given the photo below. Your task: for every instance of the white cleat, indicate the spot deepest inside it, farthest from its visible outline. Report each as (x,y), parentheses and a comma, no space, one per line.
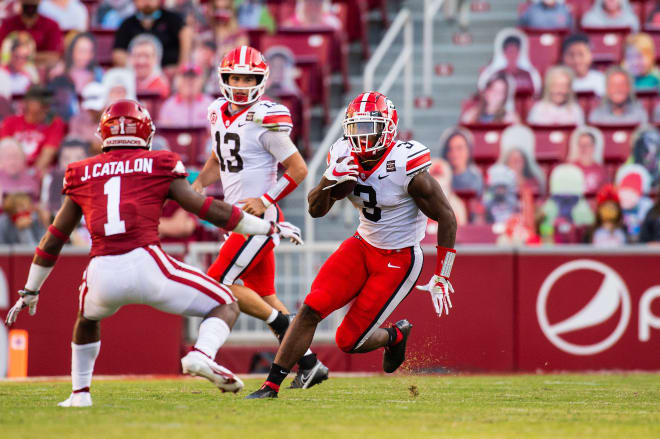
(198,364)
(80,399)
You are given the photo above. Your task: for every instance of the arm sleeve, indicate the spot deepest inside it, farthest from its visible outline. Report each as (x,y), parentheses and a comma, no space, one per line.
(279,144)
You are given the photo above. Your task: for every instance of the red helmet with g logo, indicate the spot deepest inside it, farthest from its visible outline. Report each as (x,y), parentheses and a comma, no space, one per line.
(370,123)
(126,124)
(243,60)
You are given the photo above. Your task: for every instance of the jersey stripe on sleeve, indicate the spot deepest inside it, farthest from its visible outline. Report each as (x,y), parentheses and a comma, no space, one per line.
(418,162)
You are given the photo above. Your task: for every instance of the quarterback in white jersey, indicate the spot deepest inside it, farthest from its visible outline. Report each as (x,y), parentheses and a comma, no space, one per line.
(378,267)
(251,137)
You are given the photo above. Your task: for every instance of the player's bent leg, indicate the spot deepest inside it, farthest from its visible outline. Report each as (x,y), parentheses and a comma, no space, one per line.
(213,332)
(181,289)
(296,342)
(85,348)
(251,303)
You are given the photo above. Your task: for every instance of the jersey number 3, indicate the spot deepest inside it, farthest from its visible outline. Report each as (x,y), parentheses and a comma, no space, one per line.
(115,225)
(235,164)
(371,203)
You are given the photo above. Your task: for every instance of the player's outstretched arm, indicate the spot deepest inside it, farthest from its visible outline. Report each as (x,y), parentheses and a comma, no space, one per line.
(209,174)
(432,202)
(320,202)
(45,256)
(227,216)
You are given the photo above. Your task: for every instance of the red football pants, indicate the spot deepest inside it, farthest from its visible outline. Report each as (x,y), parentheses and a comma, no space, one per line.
(376,280)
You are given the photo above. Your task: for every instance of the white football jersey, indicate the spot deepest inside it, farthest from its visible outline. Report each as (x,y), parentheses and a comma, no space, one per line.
(247,168)
(389,217)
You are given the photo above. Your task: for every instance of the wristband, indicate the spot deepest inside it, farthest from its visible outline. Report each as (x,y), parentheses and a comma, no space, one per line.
(234,218)
(37,276)
(45,255)
(205,207)
(445,261)
(57,233)
(282,188)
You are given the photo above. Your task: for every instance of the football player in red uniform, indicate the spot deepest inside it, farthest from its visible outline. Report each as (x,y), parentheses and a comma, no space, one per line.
(251,138)
(376,268)
(121,194)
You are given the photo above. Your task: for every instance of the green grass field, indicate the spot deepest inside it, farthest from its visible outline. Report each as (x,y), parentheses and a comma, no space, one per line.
(521,406)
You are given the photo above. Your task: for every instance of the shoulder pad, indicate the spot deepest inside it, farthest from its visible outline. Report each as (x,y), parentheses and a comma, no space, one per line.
(214,109)
(169,163)
(416,156)
(272,116)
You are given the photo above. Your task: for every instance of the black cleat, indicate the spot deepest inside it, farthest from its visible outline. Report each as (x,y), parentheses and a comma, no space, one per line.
(264,392)
(395,355)
(310,377)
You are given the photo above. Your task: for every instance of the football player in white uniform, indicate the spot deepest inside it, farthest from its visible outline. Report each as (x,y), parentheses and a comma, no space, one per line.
(251,137)
(378,266)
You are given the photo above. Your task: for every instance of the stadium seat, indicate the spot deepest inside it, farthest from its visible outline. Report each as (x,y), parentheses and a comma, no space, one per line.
(313,51)
(551,142)
(151,100)
(617,141)
(544,47)
(299,108)
(607,43)
(524,99)
(486,141)
(475,234)
(355,23)
(187,142)
(648,99)
(587,100)
(105,39)
(281,9)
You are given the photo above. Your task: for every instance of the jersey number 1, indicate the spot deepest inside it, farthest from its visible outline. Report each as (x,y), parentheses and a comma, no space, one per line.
(115,225)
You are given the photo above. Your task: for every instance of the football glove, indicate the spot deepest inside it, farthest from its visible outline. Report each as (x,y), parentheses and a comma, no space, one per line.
(439,287)
(287,231)
(342,170)
(27,300)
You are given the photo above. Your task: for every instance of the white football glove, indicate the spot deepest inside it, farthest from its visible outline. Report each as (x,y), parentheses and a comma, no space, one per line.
(439,287)
(28,300)
(342,170)
(287,231)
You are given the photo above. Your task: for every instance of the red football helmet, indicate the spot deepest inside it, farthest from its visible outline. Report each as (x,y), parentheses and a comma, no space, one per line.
(370,123)
(126,124)
(243,60)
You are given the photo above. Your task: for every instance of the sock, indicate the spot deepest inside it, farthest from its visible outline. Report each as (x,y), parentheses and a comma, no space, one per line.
(212,334)
(395,335)
(279,324)
(273,315)
(307,361)
(83,357)
(276,376)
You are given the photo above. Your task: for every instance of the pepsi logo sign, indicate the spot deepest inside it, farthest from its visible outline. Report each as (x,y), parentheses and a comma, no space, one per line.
(610,298)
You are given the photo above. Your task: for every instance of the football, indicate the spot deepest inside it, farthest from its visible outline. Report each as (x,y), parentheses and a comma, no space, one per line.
(343,189)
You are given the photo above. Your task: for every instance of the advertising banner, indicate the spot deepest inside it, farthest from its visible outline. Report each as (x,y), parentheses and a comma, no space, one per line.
(588,310)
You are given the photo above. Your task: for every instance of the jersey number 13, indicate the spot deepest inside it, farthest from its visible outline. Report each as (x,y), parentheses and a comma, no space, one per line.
(235,162)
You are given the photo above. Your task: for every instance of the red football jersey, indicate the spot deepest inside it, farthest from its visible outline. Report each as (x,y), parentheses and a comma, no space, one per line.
(121,193)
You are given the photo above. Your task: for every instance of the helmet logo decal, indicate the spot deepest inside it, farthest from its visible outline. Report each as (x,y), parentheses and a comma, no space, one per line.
(122,128)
